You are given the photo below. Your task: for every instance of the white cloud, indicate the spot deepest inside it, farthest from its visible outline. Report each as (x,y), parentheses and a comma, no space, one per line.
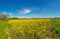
(10,14)
(7,13)
(4,13)
(25,11)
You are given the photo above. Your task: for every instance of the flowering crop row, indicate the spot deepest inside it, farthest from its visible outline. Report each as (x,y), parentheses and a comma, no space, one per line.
(27,29)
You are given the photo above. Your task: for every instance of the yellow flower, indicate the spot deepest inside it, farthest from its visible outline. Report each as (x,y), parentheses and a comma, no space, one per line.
(9,37)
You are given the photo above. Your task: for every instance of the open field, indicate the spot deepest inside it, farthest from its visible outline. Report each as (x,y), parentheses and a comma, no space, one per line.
(30,29)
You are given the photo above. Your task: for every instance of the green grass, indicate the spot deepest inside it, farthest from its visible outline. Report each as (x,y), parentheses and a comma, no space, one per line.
(3,25)
(55,25)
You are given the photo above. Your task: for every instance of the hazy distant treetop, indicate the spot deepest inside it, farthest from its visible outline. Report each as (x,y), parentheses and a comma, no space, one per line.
(3,16)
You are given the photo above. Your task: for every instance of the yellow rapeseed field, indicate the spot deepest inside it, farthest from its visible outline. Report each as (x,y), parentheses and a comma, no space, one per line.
(27,28)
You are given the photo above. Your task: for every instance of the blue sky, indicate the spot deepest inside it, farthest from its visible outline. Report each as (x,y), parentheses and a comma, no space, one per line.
(30,8)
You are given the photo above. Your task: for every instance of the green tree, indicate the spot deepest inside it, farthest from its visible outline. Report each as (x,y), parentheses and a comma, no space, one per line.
(3,16)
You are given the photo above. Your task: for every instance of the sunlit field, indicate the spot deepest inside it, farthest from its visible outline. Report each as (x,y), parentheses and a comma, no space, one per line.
(30,29)
(27,29)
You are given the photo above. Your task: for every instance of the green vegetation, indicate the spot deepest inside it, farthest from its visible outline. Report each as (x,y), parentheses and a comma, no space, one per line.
(3,25)
(55,25)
